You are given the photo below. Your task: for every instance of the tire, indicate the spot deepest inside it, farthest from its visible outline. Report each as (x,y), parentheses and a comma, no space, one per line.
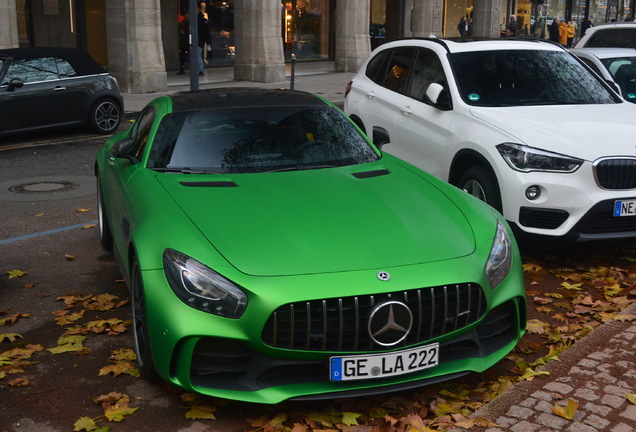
(105,116)
(105,234)
(481,183)
(143,350)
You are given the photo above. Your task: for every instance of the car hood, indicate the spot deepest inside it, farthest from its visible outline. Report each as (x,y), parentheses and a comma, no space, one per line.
(583,131)
(327,220)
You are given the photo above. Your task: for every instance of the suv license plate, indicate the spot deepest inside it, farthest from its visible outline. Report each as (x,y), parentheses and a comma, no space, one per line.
(384,365)
(625,208)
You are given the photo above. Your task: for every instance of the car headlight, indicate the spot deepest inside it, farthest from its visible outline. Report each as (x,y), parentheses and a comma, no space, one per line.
(201,287)
(525,159)
(500,258)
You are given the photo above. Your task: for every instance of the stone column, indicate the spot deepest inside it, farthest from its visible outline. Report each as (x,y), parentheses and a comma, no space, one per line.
(486,14)
(135,48)
(427,18)
(259,45)
(353,44)
(8,25)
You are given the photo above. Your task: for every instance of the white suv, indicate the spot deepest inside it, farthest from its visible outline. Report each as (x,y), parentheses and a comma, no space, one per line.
(521,124)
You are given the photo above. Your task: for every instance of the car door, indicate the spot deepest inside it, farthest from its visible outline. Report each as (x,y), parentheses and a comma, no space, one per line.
(39,101)
(388,74)
(421,138)
(78,91)
(117,173)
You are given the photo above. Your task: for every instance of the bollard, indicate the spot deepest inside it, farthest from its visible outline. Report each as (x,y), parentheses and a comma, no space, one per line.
(293,71)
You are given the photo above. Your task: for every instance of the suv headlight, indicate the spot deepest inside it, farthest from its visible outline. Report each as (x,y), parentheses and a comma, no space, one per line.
(500,258)
(201,287)
(525,159)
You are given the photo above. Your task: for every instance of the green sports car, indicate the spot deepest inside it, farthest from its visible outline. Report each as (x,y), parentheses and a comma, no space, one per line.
(272,252)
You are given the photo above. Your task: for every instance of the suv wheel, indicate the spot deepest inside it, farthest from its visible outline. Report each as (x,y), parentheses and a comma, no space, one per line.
(481,183)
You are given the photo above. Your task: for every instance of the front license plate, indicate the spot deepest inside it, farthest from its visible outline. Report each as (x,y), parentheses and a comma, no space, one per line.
(384,365)
(625,208)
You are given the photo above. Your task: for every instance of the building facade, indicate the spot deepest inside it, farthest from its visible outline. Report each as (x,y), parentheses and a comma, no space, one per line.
(138,41)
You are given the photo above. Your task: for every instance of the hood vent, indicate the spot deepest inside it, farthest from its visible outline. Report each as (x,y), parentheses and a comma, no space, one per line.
(369,174)
(219,183)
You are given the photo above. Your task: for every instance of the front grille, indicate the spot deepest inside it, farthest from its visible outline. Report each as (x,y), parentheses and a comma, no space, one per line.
(616,173)
(340,324)
(545,218)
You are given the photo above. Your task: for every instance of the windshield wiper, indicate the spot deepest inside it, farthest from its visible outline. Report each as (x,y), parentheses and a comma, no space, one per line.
(185,170)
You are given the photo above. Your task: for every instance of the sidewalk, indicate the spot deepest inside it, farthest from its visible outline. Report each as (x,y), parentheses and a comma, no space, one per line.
(315,77)
(597,372)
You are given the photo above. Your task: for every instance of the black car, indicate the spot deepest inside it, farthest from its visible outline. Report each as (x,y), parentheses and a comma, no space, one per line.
(49,87)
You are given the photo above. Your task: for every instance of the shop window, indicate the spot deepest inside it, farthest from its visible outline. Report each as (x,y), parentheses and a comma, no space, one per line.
(306,29)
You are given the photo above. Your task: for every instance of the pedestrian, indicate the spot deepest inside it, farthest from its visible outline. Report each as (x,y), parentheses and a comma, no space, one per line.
(586,25)
(204,36)
(184,42)
(513,25)
(554,30)
(511,31)
(462,26)
(563,34)
(571,30)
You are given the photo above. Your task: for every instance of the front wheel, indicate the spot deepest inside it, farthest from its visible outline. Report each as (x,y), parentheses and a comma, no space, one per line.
(141,335)
(105,116)
(481,183)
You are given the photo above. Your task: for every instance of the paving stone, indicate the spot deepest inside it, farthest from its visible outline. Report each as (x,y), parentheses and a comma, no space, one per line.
(580,427)
(544,407)
(558,388)
(580,371)
(552,421)
(528,403)
(542,395)
(506,421)
(588,363)
(602,410)
(600,356)
(587,394)
(525,426)
(622,427)
(630,412)
(597,422)
(616,390)
(519,412)
(612,401)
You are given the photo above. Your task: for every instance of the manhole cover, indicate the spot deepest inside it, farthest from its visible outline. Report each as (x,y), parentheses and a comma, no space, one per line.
(43,187)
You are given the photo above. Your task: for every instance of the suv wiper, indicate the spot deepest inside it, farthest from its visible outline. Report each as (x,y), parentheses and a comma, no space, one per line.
(185,170)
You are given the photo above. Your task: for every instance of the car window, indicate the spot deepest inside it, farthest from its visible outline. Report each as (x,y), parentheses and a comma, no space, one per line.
(613,37)
(427,70)
(32,70)
(624,73)
(64,69)
(592,65)
(399,69)
(526,77)
(258,139)
(140,132)
(376,68)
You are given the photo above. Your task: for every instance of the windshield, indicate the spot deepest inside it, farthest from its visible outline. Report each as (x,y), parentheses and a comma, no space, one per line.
(260,139)
(623,71)
(526,77)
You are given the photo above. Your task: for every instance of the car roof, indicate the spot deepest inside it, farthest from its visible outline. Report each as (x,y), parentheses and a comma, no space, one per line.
(242,97)
(610,52)
(81,61)
(457,45)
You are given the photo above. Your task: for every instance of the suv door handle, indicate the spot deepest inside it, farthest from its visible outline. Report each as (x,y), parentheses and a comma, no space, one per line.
(406,110)
(59,88)
(370,94)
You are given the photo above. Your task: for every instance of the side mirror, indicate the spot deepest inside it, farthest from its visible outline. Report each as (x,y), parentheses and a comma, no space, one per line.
(380,137)
(14,84)
(122,149)
(436,93)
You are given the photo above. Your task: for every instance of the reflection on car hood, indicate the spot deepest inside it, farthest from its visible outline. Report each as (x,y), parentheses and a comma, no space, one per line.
(583,131)
(325,220)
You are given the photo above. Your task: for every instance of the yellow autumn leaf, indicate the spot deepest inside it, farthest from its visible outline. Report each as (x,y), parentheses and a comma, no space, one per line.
(572,287)
(204,412)
(631,397)
(89,226)
(84,423)
(82,210)
(16,273)
(11,337)
(535,326)
(568,411)
(622,317)
(529,267)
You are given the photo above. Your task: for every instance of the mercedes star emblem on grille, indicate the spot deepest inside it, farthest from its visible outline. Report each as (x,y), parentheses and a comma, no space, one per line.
(390,322)
(384,276)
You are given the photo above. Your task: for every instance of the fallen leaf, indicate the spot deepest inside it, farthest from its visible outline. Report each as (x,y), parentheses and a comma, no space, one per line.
(16,273)
(11,337)
(70,257)
(631,397)
(568,411)
(82,210)
(19,382)
(85,423)
(89,226)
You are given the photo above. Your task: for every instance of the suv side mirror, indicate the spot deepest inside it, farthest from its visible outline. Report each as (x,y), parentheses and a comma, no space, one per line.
(439,99)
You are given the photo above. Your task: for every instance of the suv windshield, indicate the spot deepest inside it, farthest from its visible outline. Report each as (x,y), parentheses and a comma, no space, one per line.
(526,77)
(258,139)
